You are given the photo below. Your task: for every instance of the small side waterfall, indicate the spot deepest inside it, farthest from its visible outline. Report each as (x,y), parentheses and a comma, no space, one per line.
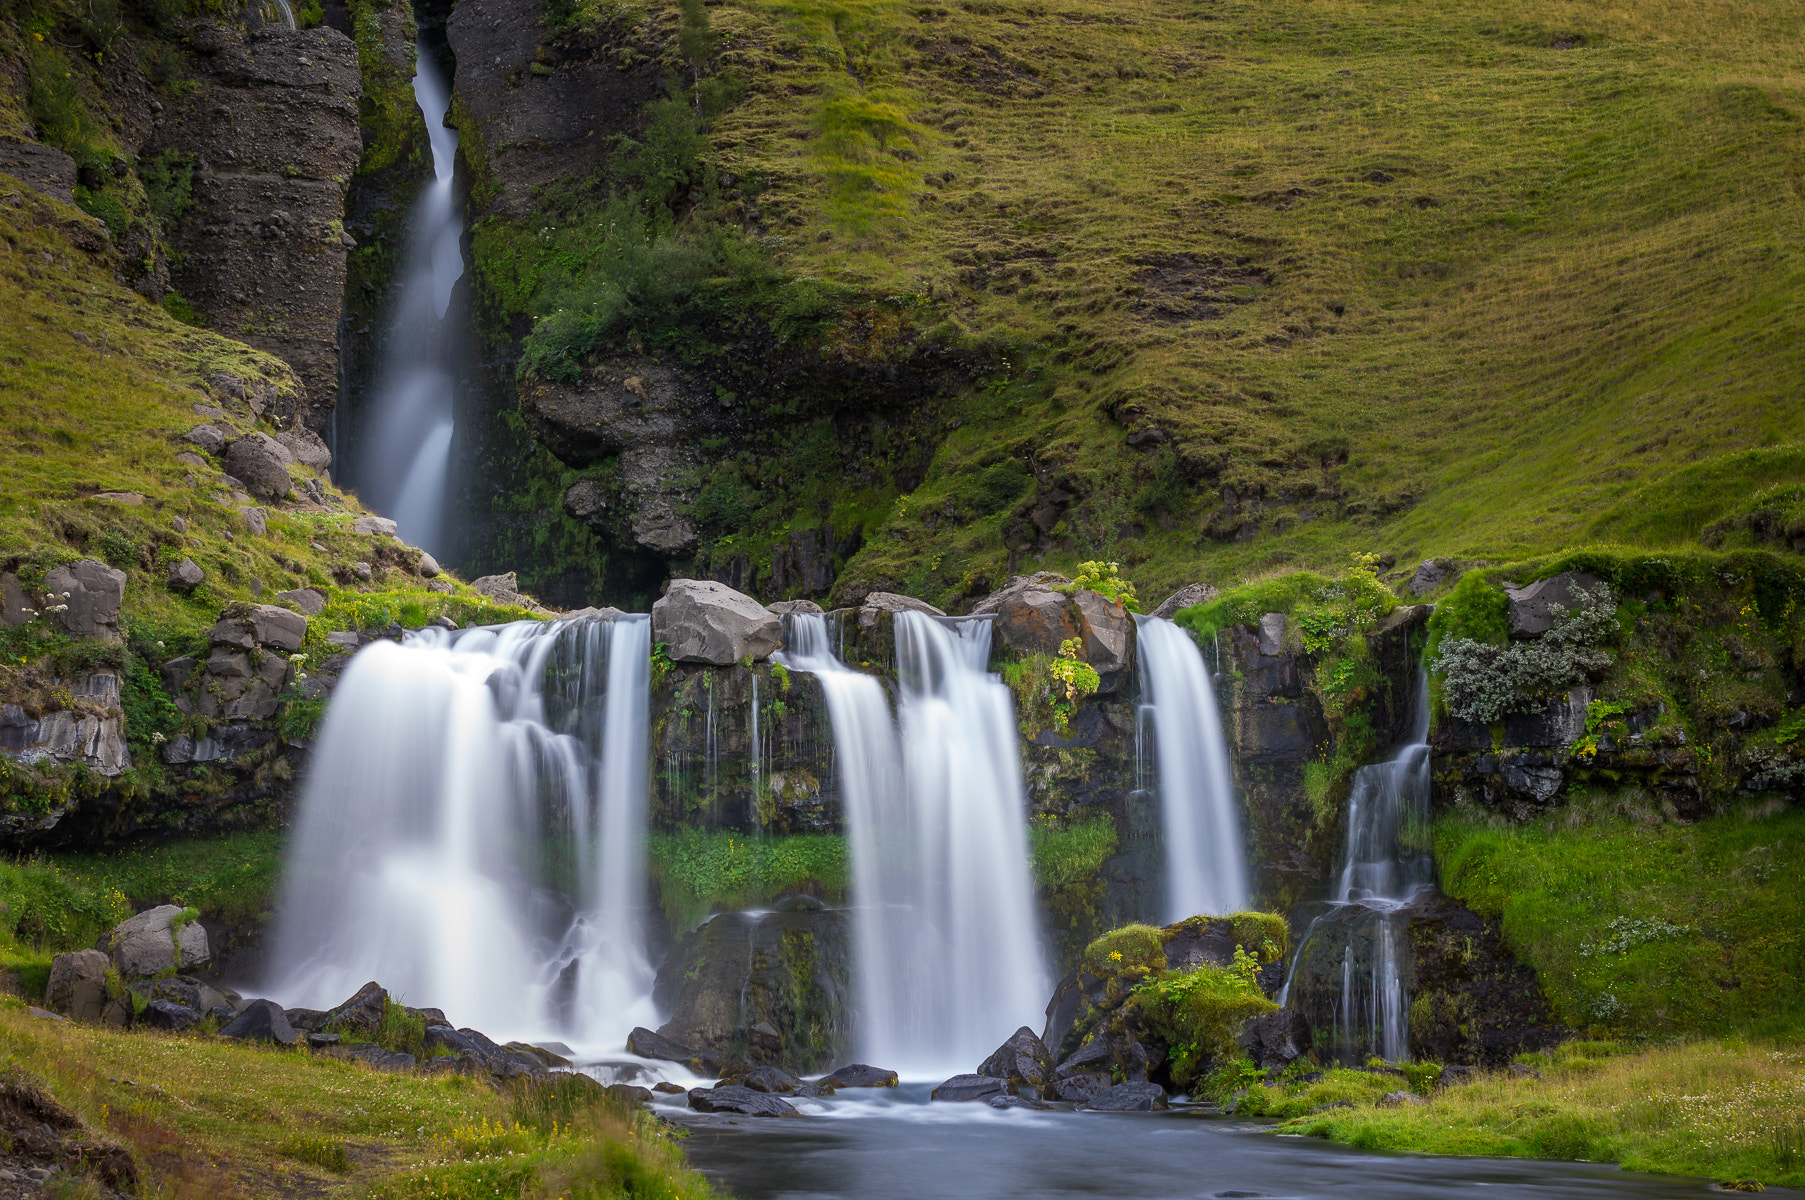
(1351,972)
(1206,862)
(401,469)
(472,832)
(948,957)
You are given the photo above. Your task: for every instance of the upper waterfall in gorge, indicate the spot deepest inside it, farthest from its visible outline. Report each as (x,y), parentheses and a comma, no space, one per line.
(1206,862)
(947,957)
(472,831)
(401,470)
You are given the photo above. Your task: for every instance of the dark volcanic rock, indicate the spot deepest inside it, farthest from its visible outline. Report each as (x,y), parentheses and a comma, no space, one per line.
(1275,1039)
(273,133)
(788,971)
(962,1088)
(858,1075)
(1130,1097)
(362,1013)
(647,1044)
(262,1021)
(1080,1088)
(1022,1061)
(765,1079)
(167,1014)
(262,463)
(1530,611)
(741,1100)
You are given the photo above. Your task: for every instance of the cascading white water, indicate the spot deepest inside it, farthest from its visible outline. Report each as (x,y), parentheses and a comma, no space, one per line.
(1206,862)
(947,956)
(471,834)
(1387,866)
(401,468)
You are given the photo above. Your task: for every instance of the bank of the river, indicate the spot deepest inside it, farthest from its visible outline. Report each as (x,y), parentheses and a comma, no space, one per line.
(1729,1109)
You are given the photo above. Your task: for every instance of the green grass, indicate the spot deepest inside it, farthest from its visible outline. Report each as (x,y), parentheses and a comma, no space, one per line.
(1723,1109)
(207,1117)
(1709,915)
(697,872)
(1072,854)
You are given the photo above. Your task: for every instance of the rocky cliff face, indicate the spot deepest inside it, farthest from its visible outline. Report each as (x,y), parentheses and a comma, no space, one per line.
(272,141)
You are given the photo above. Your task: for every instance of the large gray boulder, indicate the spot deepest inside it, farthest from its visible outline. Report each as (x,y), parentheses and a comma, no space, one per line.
(784,608)
(375,526)
(16,607)
(708,622)
(1431,573)
(262,463)
(1107,632)
(148,943)
(306,446)
(78,985)
(1530,612)
(261,1021)
(742,1101)
(963,1088)
(185,576)
(210,438)
(1031,613)
(311,602)
(86,597)
(1185,597)
(247,626)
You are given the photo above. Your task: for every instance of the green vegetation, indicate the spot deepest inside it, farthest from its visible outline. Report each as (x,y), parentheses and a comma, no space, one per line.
(202,1116)
(1639,926)
(1726,1109)
(1064,855)
(697,872)
(1198,1012)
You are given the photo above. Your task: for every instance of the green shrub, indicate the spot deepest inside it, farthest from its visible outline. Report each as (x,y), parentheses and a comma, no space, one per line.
(1199,1012)
(55,103)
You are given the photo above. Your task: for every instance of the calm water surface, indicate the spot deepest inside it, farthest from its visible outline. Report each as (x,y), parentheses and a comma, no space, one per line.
(895,1146)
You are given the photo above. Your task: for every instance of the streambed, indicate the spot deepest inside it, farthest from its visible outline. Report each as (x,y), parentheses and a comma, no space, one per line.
(895,1145)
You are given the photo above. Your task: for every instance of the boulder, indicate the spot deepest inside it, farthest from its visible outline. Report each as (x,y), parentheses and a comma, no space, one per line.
(255,523)
(168,1015)
(1276,1039)
(374,526)
(1107,631)
(784,608)
(261,1021)
(895,602)
(310,601)
(504,589)
(1400,1100)
(647,1044)
(708,622)
(362,1013)
(148,943)
(1130,1097)
(210,438)
(1457,1076)
(1530,614)
(742,1101)
(762,1078)
(375,1056)
(1185,597)
(1430,574)
(429,566)
(248,626)
(88,594)
(185,576)
(306,446)
(78,984)
(262,463)
(1031,616)
(1080,1088)
(1022,1061)
(666,1088)
(962,1088)
(1007,1101)
(628,1093)
(858,1075)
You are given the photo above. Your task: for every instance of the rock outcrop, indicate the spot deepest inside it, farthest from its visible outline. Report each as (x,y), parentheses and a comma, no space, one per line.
(85,598)
(272,138)
(152,942)
(78,985)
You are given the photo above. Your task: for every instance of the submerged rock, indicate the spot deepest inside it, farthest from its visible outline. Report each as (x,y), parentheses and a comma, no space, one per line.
(858,1075)
(962,1088)
(731,1098)
(1130,1097)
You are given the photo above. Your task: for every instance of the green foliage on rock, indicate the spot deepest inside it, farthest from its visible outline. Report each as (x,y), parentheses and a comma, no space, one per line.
(696,872)
(1197,1013)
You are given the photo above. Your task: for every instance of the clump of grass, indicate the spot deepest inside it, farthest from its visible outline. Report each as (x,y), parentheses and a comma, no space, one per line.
(327,1152)
(697,872)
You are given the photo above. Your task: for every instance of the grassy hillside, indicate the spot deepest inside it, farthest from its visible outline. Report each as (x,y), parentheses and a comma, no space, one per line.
(1422,278)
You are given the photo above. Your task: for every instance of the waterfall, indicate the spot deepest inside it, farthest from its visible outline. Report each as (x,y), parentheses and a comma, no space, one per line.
(402,468)
(1206,868)
(471,834)
(1386,867)
(948,958)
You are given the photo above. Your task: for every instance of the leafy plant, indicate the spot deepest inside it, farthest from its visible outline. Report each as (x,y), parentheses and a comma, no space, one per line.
(1105,579)
(1483,682)
(1199,1012)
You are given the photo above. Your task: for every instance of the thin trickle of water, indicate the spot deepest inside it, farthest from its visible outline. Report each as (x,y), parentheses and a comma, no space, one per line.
(1206,861)
(472,831)
(756,757)
(401,468)
(948,958)
(1387,866)
(285,14)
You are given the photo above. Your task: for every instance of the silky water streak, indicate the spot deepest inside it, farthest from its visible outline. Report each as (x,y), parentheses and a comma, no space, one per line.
(472,831)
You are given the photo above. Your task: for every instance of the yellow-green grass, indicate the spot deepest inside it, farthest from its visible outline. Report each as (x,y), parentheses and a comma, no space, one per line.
(1710,922)
(212,1118)
(1724,1109)
(1578,282)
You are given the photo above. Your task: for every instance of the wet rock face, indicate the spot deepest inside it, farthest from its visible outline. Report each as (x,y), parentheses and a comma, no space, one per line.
(273,137)
(772,988)
(1474,1003)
